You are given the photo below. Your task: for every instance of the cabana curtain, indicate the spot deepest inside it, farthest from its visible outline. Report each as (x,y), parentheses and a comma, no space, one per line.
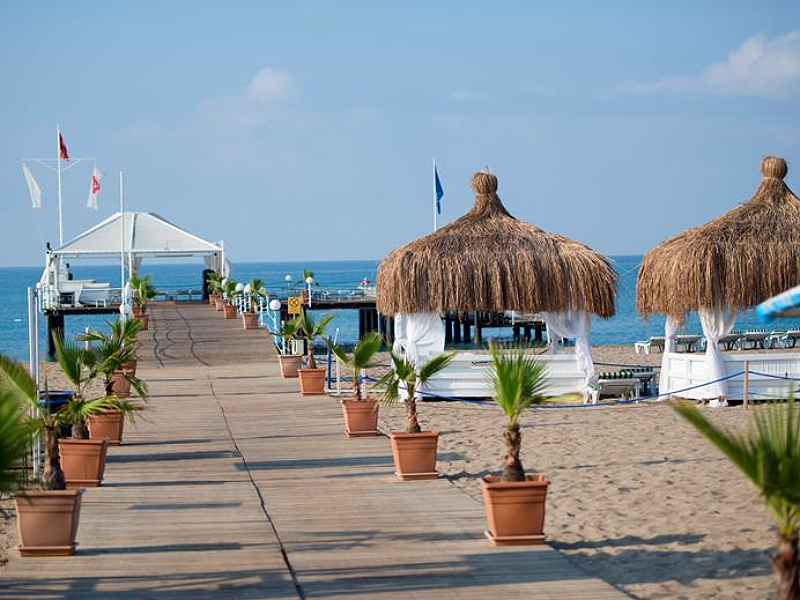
(670,329)
(419,335)
(572,325)
(716,323)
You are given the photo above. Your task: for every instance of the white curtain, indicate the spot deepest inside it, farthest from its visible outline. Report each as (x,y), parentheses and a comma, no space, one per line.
(420,336)
(572,325)
(716,323)
(670,329)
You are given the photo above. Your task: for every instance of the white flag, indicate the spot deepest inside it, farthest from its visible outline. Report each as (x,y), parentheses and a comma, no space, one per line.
(33,187)
(94,188)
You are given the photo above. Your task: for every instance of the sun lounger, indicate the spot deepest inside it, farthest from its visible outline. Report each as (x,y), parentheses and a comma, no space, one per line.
(729,341)
(754,339)
(655,342)
(790,338)
(775,340)
(617,388)
(687,341)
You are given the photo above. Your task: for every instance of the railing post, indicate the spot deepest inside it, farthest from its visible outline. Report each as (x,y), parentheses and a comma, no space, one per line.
(746,383)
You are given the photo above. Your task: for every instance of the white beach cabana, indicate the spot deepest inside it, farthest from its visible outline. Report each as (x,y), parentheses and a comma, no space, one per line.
(130,237)
(728,265)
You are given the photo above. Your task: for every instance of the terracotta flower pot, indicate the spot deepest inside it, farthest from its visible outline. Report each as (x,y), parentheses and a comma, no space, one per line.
(515,510)
(120,385)
(212,300)
(250,320)
(83,461)
(229,311)
(312,381)
(48,521)
(107,425)
(136,310)
(145,319)
(360,417)
(290,363)
(219,304)
(415,455)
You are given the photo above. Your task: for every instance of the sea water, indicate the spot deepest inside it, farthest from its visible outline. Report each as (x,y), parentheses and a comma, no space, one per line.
(625,327)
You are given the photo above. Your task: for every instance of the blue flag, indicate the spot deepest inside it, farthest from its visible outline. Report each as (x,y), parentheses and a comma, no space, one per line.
(439,191)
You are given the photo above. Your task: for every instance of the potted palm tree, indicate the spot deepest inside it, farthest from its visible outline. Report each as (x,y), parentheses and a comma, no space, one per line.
(290,362)
(769,456)
(229,293)
(143,292)
(113,352)
(47,518)
(360,414)
(255,290)
(414,451)
(83,459)
(312,379)
(514,502)
(214,281)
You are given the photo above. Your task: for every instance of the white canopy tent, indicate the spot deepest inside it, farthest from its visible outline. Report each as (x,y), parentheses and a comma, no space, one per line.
(131,237)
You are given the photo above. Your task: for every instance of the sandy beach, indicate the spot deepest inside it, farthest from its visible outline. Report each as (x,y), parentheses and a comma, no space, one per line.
(636,497)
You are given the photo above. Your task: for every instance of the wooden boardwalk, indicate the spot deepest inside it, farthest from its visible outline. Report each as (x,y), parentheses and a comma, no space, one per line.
(236,486)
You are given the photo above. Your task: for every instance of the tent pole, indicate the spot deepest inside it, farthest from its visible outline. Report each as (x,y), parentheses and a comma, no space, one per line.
(121,234)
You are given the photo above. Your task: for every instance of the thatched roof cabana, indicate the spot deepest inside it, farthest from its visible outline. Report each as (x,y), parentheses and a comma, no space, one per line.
(488,260)
(733,262)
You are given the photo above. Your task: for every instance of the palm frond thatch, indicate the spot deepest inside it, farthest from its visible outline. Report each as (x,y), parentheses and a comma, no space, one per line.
(735,261)
(488,260)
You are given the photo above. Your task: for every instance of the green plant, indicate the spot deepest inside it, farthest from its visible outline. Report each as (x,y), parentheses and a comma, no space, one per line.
(257,291)
(228,290)
(143,291)
(214,281)
(79,366)
(404,376)
(313,330)
(14,441)
(361,359)
(113,350)
(519,380)
(288,331)
(769,456)
(306,274)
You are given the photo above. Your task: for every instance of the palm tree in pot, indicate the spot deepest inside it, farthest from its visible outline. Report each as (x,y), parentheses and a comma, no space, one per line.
(768,454)
(312,379)
(514,502)
(214,284)
(290,362)
(229,293)
(255,291)
(414,450)
(360,414)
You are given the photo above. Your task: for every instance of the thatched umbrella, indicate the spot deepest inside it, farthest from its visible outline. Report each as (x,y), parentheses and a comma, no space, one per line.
(487,260)
(732,263)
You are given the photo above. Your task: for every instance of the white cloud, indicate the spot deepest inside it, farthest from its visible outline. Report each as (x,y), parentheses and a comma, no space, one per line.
(270,85)
(467,96)
(763,67)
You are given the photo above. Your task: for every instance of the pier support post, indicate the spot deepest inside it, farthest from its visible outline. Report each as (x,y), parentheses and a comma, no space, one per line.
(456,328)
(537,331)
(467,334)
(448,329)
(515,332)
(478,332)
(55,327)
(527,333)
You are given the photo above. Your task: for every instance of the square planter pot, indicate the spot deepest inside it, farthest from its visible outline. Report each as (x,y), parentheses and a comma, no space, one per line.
(415,455)
(48,521)
(360,417)
(107,425)
(120,385)
(229,311)
(145,319)
(515,510)
(219,304)
(83,461)
(250,320)
(290,363)
(312,381)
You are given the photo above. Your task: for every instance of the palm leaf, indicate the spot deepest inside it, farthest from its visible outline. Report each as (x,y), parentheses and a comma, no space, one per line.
(433,366)
(17,380)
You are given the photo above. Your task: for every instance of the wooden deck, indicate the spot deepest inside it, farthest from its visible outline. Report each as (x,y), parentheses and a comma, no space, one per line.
(235,486)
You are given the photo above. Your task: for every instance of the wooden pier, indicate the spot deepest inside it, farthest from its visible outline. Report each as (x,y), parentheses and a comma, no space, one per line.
(235,486)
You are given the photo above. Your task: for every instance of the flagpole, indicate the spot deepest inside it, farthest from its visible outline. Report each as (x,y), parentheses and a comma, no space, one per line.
(435,219)
(58,164)
(122,234)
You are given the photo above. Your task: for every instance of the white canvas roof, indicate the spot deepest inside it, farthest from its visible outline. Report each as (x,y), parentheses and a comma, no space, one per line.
(146,234)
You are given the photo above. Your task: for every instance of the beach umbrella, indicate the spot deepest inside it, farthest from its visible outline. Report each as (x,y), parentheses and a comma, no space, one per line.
(489,261)
(732,263)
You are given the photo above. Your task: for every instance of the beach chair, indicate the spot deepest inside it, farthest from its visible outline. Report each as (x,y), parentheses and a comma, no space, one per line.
(687,341)
(654,343)
(729,341)
(775,339)
(617,388)
(790,338)
(754,339)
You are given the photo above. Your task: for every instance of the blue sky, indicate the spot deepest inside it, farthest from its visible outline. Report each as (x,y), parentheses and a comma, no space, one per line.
(301,131)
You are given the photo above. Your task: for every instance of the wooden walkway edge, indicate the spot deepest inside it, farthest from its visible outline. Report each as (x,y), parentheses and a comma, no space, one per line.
(236,486)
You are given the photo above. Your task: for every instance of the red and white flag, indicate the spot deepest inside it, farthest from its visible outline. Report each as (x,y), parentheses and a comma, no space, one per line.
(94,188)
(62,148)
